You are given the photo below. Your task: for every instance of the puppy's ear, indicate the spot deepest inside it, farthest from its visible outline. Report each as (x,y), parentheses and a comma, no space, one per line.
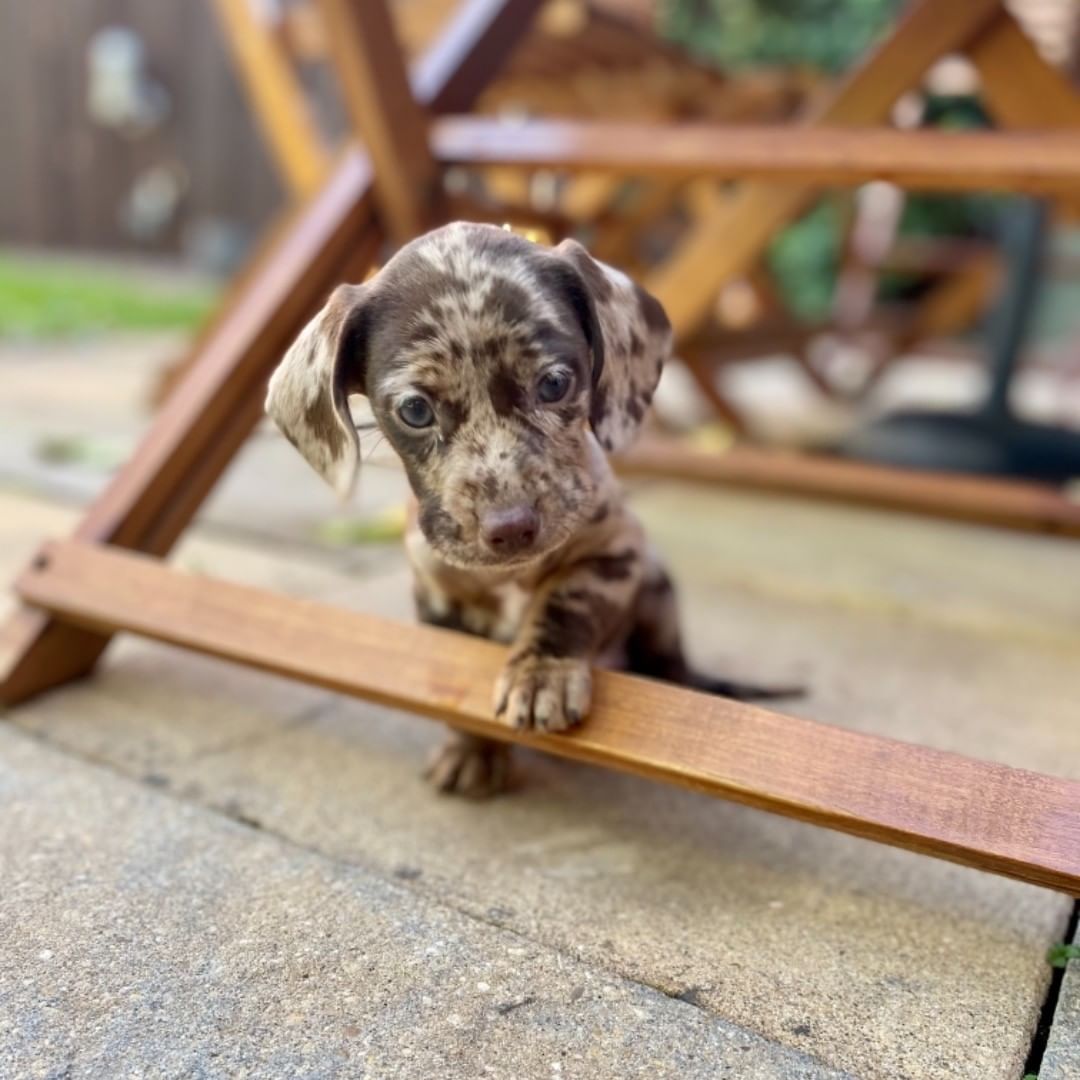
(630,338)
(308,397)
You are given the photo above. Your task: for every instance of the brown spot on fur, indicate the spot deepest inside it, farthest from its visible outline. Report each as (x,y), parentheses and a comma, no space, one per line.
(506,394)
(510,301)
(322,420)
(652,311)
(453,414)
(564,631)
(616,567)
(436,524)
(595,279)
(598,410)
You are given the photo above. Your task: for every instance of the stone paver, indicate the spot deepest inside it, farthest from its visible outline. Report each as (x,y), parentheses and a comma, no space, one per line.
(878,963)
(1061,1061)
(182,939)
(141,936)
(96,391)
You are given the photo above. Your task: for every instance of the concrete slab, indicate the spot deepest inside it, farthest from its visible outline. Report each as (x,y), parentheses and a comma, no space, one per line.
(878,963)
(94,392)
(1061,1060)
(140,936)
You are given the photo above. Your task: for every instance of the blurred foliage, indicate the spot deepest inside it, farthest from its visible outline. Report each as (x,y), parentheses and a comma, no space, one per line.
(824,34)
(828,36)
(42,298)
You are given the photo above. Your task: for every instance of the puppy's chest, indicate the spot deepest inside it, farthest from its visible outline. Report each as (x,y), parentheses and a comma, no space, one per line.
(498,613)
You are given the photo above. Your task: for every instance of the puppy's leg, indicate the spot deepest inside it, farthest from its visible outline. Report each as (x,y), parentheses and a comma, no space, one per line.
(470,765)
(464,764)
(654,647)
(547,683)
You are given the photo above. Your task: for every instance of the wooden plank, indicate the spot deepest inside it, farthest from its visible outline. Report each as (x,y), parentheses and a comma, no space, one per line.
(995,818)
(1034,162)
(469,52)
(211,412)
(277,95)
(370,69)
(1019,87)
(726,241)
(1008,504)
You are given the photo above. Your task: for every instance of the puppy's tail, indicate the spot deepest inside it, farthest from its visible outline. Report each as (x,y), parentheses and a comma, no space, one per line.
(739,691)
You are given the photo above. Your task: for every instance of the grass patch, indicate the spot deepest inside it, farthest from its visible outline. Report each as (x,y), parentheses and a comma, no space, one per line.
(43,298)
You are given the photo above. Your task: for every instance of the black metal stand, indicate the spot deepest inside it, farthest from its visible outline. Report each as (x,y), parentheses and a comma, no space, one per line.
(991,439)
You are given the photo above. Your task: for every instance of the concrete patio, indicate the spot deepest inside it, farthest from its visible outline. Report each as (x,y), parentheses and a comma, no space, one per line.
(210,872)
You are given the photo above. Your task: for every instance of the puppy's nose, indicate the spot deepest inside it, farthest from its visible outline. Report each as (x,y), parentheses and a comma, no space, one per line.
(511,530)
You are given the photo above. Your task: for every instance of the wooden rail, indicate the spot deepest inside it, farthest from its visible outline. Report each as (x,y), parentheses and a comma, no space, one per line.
(984,500)
(995,818)
(1036,162)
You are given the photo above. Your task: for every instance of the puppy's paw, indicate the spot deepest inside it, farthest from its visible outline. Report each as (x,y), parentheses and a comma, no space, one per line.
(543,693)
(471,766)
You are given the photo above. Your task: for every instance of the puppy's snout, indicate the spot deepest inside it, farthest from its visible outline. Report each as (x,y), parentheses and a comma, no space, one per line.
(511,530)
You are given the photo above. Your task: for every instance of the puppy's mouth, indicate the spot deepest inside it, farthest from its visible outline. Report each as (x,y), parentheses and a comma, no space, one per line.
(479,557)
(480,553)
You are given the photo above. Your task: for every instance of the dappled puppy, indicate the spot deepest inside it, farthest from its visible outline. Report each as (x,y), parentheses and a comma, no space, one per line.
(502,372)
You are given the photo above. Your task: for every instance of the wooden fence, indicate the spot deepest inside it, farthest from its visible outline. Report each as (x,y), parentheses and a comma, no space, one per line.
(67,180)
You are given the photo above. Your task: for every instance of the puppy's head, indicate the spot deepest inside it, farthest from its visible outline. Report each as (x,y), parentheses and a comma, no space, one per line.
(494,367)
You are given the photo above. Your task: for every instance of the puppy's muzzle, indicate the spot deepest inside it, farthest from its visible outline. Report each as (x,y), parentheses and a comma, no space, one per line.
(510,530)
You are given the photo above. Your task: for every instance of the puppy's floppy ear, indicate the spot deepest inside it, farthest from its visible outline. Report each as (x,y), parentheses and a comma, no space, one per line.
(308,397)
(632,342)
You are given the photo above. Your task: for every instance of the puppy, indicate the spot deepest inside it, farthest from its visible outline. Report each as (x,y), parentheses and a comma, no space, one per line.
(502,372)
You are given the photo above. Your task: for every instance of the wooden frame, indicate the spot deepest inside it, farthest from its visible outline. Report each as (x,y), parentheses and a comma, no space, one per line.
(989,816)
(79,593)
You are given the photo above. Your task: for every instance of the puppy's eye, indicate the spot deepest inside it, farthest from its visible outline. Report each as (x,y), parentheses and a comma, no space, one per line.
(553,385)
(416,412)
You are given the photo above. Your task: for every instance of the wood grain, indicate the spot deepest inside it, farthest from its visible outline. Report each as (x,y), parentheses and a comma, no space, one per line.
(1035,162)
(1008,504)
(1004,820)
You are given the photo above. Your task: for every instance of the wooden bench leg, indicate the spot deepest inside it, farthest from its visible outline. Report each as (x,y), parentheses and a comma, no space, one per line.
(206,419)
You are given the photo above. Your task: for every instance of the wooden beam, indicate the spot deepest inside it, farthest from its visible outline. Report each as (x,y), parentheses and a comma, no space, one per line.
(371,73)
(995,818)
(279,101)
(1012,505)
(211,412)
(1034,162)
(1019,87)
(207,417)
(470,51)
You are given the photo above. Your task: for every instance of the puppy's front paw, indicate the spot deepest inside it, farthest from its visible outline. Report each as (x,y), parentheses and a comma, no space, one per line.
(543,692)
(471,766)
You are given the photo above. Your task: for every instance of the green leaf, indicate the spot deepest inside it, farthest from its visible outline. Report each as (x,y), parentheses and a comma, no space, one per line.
(374,529)
(98,454)
(1060,955)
